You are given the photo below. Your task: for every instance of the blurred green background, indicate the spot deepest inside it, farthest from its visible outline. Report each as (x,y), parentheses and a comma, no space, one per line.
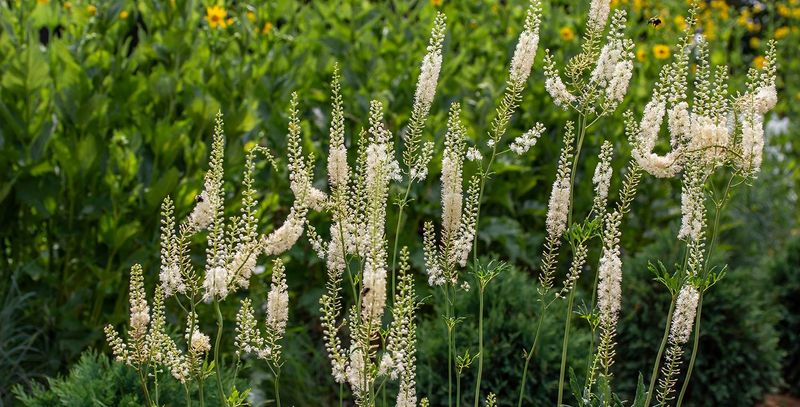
(106,107)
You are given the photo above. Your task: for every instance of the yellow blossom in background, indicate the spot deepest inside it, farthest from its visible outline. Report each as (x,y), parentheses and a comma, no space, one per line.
(566,33)
(91,9)
(495,8)
(758,62)
(680,23)
(796,12)
(42,1)
(215,15)
(123,15)
(641,54)
(436,3)
(267,28)
(67,6)
(783,10)
(755,42)
(661,51)
(637,5)
(251,16)
(781,32)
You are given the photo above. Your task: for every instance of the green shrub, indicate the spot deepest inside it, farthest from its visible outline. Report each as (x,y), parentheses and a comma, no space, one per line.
(786,284)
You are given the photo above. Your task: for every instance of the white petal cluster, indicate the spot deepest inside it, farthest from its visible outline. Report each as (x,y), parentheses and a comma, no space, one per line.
(684,315)
(766,97)
(662,166)
(615,64)
(473,154)
(204,210)
(215,283)
(523,143)
(609,287)
(558,207)
(558,91)
(431,65)
(199,342)
(598,14)
(602,175)
(283,238)
(278,299)
(527,44)
(693,209)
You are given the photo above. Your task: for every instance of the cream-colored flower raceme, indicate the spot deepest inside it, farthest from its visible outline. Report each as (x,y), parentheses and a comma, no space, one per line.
(602,177)
(614,66)
(527,140)
(172,281)
(136,351)
(554,85)
(609,287)
(558,206)
(684,315)
(278,299)
(208,208)
(527,44)
(693,209)
(598,14)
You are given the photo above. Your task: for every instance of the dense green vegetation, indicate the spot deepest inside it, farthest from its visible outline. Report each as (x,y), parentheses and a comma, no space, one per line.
(107,107)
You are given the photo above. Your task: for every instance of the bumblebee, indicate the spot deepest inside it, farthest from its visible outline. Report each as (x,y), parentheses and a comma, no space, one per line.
(654,21)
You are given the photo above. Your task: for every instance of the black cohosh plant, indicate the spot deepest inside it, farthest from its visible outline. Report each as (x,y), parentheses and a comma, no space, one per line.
(369,305)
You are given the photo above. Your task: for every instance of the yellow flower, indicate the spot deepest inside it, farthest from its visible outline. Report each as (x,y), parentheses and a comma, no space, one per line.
(781,32)
(758,62)
(661,51)
(91,9)
(123,15)
(42,1)
(755,42)
(267,28)
(680,23)
(215,15)
(783,10)
(566,33)
(436,3)
(641,54)
(251,16)
(67,6)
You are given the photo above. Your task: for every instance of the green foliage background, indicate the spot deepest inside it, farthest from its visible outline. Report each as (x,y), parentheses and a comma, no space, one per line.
(102,116)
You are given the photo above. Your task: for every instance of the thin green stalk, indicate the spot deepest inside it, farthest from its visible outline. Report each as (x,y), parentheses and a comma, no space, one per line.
(186,395)
(401,205)
(143,381)
(575,159)
(694,350)
(660,354)
(529,355)
(278,387)
(564,346)
(341,394)
(449,348)
(480,345)
(216,353)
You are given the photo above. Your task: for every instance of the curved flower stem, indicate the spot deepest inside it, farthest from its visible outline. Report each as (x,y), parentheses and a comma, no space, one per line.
(564,346)
(694,350)
(660,354)
(529,355)
(216,353)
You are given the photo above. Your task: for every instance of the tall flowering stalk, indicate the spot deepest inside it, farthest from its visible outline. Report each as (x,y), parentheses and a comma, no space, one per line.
(232,249)
(707,132)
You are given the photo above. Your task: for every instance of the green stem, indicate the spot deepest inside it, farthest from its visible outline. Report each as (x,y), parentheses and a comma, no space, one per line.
(278,387)
(529,355)
(694,350)
(401,205)
(582,135)
(564,348)
(660,354)
(143,381)
(449,348)
(480,346)
(341,394)
(216,353)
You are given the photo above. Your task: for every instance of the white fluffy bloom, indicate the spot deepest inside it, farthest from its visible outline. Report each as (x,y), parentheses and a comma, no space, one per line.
(523,143)
(203,212)
(473,154)
(609,286)
(242,266)
(765,99)
(558,91)
(684,315)
(428,78)
(172,280)
(374,297)
(451,193)
(199,342)
(598,14)
(355,370)
(752,142)
(602,176)
(522,61)
(278,299)
(709,138)
(215,283)
(660,166)
(679,121)
(558,207)
(283,238)
(693,208)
